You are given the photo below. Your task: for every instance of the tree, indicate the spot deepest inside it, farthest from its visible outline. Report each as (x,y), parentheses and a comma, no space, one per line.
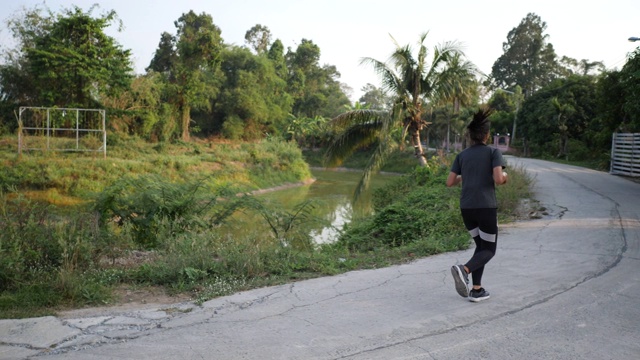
(253,100)
(276,55)
(165,56)
(630,82)
(528,60)
(334,92)
(190,61)
(142,110)
(541,123)
(460,87)
(17,83)
(564,111)
(66,60)
(307,131)
(373,98)
(506,105)
(411,80)
(301,64)
(618,93)
(570,66)
(258,38)
(315,89)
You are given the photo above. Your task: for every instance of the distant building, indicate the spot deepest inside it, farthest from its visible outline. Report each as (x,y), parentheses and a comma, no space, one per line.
(501,142)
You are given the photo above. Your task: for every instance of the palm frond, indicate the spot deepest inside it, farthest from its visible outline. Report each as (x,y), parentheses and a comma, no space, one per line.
(383,148)
(395,42)
(442,54)
(359,116)
(349,141)
(388,78)
(356,129)
(458,81)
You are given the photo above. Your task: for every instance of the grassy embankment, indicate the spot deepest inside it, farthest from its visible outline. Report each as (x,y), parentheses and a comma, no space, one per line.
(74,227)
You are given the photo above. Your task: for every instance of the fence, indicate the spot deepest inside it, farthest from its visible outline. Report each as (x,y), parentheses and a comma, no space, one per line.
(62,129)
(625,154)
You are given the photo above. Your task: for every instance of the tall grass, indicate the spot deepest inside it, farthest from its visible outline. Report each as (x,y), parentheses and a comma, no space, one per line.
(248,166)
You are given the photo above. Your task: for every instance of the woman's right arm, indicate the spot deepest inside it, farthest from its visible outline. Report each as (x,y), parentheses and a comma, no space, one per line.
(499,176)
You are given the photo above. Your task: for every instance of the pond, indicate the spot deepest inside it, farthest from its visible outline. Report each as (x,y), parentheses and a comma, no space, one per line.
(330,195)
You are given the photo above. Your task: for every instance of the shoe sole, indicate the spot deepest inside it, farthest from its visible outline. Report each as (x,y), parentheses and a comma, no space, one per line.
(461,286)
(472,299)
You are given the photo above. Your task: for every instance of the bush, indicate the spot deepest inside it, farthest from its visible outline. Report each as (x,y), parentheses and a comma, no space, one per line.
(416,208)
(418,211)
(151,205)
(233,128)
(42,257)
(579,151)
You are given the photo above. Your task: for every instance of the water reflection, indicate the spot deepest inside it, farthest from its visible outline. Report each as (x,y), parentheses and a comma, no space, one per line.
(338,218)
(331,194)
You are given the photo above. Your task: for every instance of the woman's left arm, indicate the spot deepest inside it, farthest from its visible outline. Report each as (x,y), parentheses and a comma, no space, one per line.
(453,179)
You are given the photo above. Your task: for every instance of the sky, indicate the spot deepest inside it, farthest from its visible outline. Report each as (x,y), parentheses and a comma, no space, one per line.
(348,30)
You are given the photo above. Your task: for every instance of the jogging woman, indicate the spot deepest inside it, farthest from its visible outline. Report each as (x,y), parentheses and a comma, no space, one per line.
(479,168)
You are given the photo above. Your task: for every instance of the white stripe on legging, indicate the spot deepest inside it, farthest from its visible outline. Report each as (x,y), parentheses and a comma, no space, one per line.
(483,235)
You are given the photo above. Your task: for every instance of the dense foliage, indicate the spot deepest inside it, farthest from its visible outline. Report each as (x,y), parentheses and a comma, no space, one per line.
(64,60)
(619,101)
(568,108)
(561,112)
(198,84)
(573,117)
(195,83)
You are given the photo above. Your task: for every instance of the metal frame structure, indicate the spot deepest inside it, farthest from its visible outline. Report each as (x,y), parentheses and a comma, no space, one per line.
(625,154)
(48,130)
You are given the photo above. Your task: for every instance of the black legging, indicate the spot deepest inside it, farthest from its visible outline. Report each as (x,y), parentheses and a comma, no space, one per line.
(481,221)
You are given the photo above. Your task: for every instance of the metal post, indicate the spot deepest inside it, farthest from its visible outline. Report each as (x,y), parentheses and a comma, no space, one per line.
(634,158)
(515,118)
(104,133)
(77,129)
(20,131)
(613,147)
(48,128)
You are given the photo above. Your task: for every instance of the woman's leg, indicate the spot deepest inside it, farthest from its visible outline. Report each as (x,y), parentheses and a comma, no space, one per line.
(485,250)
(482,224)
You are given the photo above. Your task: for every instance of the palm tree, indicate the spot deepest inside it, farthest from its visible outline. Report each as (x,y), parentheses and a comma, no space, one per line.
(564,112)
(411,81)
(459,87)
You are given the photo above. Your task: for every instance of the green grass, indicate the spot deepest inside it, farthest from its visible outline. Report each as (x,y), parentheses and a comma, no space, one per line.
(248,166)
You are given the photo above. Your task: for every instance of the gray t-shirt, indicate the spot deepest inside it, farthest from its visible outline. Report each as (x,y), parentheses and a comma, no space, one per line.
(476,164)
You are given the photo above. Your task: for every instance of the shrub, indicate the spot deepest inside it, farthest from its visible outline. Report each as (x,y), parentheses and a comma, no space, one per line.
(151,205)
(416,208)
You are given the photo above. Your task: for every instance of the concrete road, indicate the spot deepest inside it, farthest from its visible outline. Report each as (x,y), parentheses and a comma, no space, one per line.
(566,286)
